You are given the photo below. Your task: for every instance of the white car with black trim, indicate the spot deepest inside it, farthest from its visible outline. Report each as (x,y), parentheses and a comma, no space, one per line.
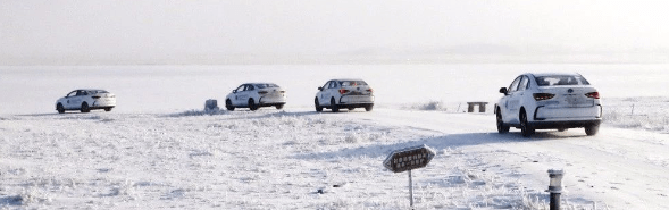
(345,94)
(549,101)
(86,100)
(256,95)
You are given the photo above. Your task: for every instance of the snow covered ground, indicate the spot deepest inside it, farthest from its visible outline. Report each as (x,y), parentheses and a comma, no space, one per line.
(273,159)
(144,155)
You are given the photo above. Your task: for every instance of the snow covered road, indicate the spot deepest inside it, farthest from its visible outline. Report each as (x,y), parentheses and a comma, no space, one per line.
(622,168)
(281,160)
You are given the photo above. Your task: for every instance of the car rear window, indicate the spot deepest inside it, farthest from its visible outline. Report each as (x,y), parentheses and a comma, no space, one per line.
(97,91)
(557,80)
(263,86)
(352,83)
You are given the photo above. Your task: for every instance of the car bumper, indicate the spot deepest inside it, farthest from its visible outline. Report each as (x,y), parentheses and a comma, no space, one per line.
(103,104)
(560,114)
(356,99)
(565,123)
(272,100)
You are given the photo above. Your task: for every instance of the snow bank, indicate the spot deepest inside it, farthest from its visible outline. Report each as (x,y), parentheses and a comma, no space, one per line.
(647,113)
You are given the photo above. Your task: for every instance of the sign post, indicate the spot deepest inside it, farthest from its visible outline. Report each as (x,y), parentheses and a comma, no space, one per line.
(408,159)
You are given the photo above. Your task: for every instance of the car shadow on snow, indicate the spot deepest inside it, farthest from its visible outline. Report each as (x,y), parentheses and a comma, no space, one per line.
(247,114)
(438,143)
(53,114)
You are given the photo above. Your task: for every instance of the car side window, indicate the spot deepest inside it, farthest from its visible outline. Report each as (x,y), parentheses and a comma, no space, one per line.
(333,85)
(251,87)
(514,85)
(524,82)
(240,88)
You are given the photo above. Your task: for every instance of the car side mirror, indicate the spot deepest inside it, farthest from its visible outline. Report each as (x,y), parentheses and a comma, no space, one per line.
(504,90)
(320,88)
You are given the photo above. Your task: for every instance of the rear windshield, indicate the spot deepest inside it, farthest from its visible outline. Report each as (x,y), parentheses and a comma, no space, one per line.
(97,91)
(352,83)
(561,80)
(263,86)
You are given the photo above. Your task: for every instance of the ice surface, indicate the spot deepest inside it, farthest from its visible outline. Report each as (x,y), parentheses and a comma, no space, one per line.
(160,150)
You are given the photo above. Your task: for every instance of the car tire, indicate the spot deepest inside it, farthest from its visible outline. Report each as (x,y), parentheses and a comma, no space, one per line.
(351,109)
(525,128)
(85,108)
(319,108)
(501,127)
(108,109)
(252,105)
(369,107)
(60,108)
(334,106)
(592,130)
(228,105)
(562,129)
(280,106)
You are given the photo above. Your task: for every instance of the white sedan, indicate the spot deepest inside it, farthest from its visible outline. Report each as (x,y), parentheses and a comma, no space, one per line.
(345,93)
(86,100)
(549,101)
(256,95)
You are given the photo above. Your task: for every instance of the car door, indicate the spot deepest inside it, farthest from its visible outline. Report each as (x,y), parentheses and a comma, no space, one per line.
(332,92)
(77,99)
(517,97)
(324,96)
(69,98)
(242,97)
(510,102)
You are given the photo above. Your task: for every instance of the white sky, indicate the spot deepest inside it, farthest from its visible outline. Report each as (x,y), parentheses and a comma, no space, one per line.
(161,27)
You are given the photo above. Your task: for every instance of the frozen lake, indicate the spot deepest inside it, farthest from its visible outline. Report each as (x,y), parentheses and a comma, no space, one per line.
(139,89)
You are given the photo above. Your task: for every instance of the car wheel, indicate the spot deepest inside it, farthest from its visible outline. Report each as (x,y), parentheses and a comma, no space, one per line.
(369,107)
(562,129)
(501,127)
(60,108)
(319,108)
(525,128)
(350,109)
(84,107)
(591,130)
(252,105)
(228,105)
(334,106)
(280,106)
(108,109)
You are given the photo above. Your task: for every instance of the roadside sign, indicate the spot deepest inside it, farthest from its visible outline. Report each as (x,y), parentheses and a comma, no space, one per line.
(409,158)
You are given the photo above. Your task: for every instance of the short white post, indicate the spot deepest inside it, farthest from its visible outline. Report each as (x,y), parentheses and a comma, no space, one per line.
(410,191)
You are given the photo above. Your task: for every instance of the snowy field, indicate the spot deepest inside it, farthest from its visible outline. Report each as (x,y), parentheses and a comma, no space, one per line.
(159,151)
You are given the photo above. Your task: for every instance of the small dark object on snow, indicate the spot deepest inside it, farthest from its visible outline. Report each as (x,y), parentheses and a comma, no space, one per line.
(320,192)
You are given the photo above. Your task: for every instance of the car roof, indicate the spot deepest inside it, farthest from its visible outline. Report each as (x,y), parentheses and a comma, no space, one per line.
(555,74)
(346,79)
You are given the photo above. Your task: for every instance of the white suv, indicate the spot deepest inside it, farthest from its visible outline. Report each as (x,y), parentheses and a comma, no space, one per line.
(345,93)
(256,95)
(549,101)
(86,100)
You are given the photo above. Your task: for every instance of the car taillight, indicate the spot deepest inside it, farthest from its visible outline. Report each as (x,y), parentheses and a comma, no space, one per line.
(342,91)
(543,96)
(594,95)
(262,92)
(370,90)
(95,97)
